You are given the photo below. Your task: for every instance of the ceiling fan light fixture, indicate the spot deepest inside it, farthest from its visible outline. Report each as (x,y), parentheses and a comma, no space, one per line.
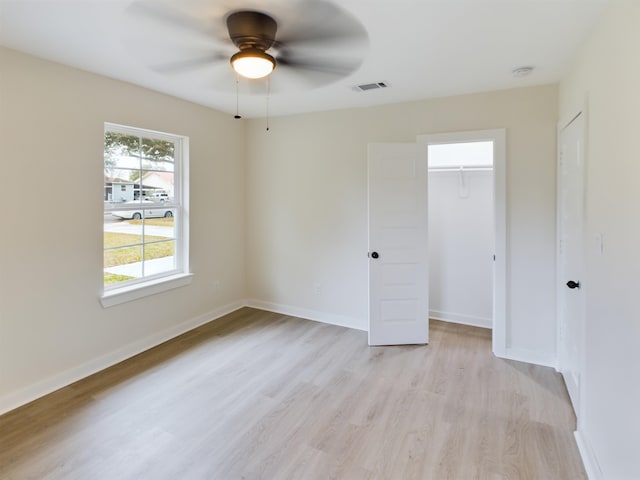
(253,63)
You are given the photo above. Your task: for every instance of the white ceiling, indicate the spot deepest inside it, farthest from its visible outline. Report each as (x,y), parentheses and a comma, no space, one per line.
(421,48)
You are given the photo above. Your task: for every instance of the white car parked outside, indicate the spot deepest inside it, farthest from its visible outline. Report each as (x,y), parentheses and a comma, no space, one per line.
(145,207)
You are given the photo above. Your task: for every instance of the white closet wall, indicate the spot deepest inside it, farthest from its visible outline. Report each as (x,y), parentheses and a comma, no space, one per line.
(461,246)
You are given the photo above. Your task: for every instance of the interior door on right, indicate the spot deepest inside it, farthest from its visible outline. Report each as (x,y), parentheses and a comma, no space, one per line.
(571,269)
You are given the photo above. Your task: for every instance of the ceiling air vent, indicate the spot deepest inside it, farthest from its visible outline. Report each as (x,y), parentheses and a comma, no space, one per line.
(370,86)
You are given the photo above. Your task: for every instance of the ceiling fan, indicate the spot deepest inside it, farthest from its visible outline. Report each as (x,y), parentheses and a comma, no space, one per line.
(253,33)
(305,43)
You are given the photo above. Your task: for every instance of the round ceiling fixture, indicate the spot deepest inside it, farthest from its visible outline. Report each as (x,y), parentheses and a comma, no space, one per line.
(253,63)
(521,71)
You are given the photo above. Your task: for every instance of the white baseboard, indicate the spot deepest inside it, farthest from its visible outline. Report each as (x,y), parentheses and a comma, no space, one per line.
(461,318)
(529,356)
(25,395)
(588,457)
(339,320)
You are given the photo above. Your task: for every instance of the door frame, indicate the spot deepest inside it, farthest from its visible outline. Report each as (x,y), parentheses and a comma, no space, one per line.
(582,111)
(500,297)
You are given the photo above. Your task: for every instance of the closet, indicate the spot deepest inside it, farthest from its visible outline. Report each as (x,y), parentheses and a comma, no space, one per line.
(461,232)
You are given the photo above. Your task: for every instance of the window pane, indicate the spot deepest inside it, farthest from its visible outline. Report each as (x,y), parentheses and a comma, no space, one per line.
(159,257)
(121,185)
(124,253)
(119,232)
(156,148)
(132,210)
(123,262)
(124,162)
(121,150)
(158,186)
(157,226)
(159,239)
(163,165)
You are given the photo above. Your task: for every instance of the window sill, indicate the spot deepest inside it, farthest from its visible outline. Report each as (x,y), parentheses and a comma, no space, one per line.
(141,290)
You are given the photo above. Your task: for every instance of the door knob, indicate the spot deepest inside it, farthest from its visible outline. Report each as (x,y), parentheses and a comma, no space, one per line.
(374,255)
(571,284)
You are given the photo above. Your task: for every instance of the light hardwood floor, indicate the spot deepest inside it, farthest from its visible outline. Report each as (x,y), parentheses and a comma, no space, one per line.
(257,395)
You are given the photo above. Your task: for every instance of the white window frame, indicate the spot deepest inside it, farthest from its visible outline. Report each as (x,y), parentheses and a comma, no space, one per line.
(180,276)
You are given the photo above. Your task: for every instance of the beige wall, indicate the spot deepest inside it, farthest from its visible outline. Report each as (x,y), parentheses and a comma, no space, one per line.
(52,327)
(278,217)
(606,77)
(307,206)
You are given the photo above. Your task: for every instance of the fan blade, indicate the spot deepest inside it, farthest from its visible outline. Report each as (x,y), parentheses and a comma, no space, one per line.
(329,66)
(290,79)
(170,15)
(319,23)
(181,66)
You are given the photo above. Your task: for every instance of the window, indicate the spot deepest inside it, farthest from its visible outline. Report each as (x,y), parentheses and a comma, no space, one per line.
(145,213)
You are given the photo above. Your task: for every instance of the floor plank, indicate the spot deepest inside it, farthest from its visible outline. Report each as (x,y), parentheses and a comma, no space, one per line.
(258,395)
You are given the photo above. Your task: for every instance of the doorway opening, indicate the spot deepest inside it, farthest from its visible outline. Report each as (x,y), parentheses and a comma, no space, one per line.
(461,241)
(467,229)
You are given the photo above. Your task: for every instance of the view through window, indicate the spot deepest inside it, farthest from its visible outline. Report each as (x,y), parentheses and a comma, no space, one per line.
(142,205)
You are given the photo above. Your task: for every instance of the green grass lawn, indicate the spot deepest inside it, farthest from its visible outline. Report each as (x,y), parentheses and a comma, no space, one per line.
(127,248)
(158,222)
(110,278)
(133,252)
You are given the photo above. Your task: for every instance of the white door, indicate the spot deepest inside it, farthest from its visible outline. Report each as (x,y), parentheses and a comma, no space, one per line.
(398,274)
(571,260)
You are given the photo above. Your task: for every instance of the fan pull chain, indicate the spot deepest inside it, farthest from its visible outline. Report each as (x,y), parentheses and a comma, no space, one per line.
(268,94)
(237,115)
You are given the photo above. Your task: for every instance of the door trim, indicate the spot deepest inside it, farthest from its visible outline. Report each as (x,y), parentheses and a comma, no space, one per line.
(500,297)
